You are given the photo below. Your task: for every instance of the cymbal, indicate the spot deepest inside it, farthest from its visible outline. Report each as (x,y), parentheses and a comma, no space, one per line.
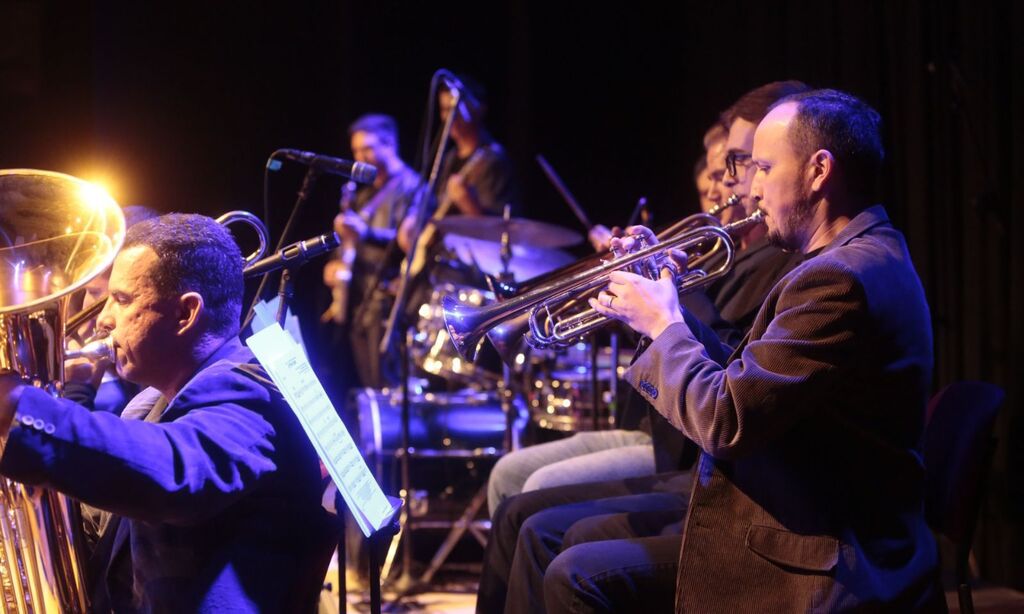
(527,261)
(521,231)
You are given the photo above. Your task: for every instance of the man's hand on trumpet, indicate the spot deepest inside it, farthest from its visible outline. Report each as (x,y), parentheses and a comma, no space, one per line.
(648,306)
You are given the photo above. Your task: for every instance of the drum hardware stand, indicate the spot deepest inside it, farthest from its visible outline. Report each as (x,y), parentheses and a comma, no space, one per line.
(466,521)
(613,382)
(405,583)
(595,384)
(396,321)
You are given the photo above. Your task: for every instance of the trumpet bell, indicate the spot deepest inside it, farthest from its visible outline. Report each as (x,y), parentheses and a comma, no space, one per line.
(464,325)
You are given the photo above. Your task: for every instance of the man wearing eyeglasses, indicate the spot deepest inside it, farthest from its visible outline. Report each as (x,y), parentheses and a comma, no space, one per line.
(809,491)
(742,292)
(528,529)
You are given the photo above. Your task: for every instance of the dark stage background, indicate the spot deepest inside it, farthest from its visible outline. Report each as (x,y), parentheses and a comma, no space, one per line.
(176,106)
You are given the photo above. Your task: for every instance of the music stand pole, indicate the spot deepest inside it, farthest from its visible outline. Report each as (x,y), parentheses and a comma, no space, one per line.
(405,580)
(377,541)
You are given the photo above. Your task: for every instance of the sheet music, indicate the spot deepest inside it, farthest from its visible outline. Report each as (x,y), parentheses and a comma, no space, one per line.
(265,314)
(286,364)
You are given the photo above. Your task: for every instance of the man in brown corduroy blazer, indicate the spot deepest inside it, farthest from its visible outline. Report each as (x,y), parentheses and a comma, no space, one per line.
(809,491)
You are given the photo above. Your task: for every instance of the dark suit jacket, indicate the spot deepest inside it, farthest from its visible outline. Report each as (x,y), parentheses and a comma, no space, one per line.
(217,497)
(808,496)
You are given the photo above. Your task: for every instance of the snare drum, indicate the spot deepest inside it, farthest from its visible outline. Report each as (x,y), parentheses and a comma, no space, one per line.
(559,390)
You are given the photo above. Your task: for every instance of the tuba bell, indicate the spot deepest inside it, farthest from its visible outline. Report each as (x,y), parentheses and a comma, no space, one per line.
(56,233)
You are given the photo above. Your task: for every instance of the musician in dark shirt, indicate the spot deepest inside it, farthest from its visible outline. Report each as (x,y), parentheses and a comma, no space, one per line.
(476,176)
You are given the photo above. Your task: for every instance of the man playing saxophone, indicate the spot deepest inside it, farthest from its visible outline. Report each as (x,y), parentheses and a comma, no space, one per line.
(213,486)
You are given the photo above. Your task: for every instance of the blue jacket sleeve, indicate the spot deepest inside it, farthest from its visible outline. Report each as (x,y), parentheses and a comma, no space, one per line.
(181,471)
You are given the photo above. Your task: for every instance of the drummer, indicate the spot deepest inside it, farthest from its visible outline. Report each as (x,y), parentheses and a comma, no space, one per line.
(476,176)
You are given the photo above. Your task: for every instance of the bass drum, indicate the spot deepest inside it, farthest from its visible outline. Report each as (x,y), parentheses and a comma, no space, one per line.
(452,423)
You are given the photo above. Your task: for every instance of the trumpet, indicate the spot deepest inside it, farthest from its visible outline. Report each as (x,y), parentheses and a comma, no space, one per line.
(534,315)
(505,290)
(732,201)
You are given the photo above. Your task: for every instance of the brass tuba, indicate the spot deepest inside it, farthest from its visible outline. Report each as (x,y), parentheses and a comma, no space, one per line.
(56,233)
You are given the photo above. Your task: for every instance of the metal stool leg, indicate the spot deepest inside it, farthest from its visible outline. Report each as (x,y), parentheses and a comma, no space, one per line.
(460,527)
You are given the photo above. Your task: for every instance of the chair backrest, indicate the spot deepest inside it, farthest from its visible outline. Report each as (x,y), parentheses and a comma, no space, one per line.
(957,455)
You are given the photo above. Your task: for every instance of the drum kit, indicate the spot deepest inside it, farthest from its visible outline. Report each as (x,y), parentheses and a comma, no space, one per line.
(555,386)
(472,412)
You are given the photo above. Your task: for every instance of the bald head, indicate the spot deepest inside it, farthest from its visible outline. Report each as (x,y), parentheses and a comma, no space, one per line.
(845,126)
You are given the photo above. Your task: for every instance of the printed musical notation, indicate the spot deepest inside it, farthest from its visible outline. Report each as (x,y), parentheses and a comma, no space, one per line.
(287,365)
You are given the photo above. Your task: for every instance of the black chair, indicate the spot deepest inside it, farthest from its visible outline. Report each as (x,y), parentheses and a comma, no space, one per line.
(958,448)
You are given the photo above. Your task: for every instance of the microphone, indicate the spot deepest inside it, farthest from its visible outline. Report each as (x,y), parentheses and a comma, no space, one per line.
(465,98)
(357,171)
(453,83)
(295,255)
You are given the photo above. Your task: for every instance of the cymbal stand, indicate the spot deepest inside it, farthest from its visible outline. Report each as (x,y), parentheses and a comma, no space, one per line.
(595,384)
(396,322)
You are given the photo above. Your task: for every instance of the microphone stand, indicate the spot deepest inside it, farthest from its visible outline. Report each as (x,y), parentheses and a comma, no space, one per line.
(308,181)
(396,322)
(511,440)
(422,217)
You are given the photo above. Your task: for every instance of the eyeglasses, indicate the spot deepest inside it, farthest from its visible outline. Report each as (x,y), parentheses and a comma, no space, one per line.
(735,159)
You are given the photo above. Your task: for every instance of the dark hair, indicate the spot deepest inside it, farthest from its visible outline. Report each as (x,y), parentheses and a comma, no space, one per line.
(848,128)
(384,126)
(195,254)
(755,104)
(717,131)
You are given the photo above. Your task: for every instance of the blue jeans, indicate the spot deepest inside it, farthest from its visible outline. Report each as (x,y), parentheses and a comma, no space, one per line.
(592,456)
(623,575)
(513,516)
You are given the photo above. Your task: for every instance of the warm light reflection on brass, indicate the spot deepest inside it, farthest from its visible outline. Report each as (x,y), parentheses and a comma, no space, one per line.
(56,233)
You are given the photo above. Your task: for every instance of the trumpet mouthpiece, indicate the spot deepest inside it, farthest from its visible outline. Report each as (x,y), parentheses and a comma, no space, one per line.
(93,351)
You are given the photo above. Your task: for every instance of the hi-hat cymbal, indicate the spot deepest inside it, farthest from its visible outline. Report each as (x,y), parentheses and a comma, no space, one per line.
(521,231)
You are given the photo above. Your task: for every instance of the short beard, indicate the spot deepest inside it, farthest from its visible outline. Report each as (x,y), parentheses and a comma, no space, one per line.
(787,233)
